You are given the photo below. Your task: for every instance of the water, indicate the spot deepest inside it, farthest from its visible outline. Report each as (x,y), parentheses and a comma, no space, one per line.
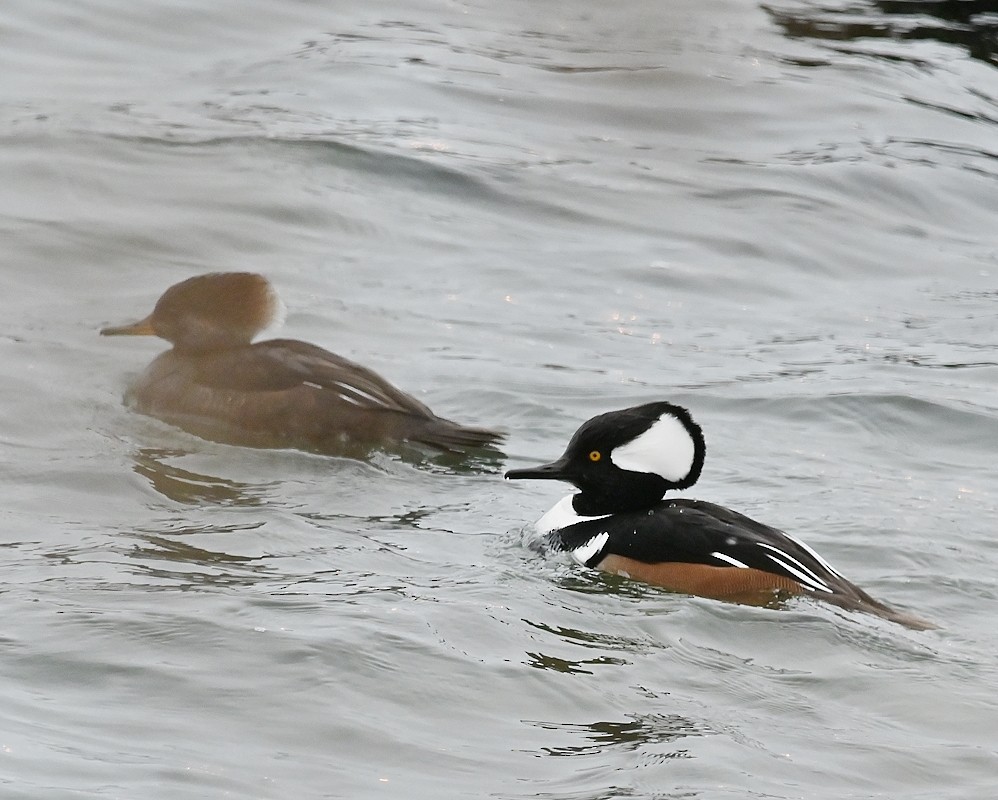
(781,216)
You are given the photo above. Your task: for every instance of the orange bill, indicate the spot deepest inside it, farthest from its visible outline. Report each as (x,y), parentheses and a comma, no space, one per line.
(140,328)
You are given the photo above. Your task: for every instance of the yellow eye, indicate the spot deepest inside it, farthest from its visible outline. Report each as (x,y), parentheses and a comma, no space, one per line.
(595,455)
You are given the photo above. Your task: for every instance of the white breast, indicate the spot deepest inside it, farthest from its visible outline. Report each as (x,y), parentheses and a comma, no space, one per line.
(561,515)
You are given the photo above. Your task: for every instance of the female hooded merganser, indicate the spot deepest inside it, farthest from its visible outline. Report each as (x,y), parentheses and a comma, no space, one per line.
(623,463)
(277,393)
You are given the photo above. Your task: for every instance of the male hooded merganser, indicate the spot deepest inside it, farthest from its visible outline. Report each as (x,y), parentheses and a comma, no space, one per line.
(623,463)
(276,393)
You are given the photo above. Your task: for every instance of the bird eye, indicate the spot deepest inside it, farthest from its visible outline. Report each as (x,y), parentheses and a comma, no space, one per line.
(595,455)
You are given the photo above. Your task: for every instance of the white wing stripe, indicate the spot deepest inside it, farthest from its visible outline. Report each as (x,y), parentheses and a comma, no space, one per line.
(807,580)
(362,395)
(733,561)
(814,555)
(803,567)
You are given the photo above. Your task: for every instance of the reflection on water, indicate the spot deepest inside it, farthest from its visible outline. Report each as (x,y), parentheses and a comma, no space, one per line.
(568,666)
(195,488)
(190,488)
(587,638)
(487,460)
(970,24)
(639,732)
(215,568)
(163,553)
(411,519)
(595,582)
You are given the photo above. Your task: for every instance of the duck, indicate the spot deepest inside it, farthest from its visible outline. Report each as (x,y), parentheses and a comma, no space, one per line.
(217,383)
(623,463)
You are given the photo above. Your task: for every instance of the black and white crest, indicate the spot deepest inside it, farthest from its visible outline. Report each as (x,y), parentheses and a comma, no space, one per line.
(658,439)
(671,446)
(628,459)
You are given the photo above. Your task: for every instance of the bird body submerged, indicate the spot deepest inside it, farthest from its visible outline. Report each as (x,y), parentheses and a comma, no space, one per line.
(623,463)
(217,384)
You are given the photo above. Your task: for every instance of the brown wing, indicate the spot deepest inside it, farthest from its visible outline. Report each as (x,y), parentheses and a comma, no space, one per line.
(281,364)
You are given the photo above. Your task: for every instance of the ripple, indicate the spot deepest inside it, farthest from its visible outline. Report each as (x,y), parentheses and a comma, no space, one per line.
(968,25)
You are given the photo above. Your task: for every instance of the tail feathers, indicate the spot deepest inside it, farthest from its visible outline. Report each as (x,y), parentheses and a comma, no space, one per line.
(451,437)
(859,600)
(904,618)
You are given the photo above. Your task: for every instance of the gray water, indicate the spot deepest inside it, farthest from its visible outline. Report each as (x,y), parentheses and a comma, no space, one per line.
(782,216)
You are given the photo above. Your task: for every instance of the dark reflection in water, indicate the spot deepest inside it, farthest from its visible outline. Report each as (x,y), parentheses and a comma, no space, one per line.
(194,488)
(166,558)
(593,582)
(970,24)
(486,460)
(411,519)
(190,488)
(586,638)
(175,550)
(568,666)
(637,733)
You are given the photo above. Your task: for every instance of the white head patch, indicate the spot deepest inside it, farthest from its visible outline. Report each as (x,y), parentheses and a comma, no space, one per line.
(666,449)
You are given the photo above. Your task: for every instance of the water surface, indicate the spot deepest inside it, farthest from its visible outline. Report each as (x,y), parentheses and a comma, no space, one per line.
(781,216)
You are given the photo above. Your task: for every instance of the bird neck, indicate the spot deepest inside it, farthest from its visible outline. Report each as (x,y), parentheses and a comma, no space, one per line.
(637,495)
